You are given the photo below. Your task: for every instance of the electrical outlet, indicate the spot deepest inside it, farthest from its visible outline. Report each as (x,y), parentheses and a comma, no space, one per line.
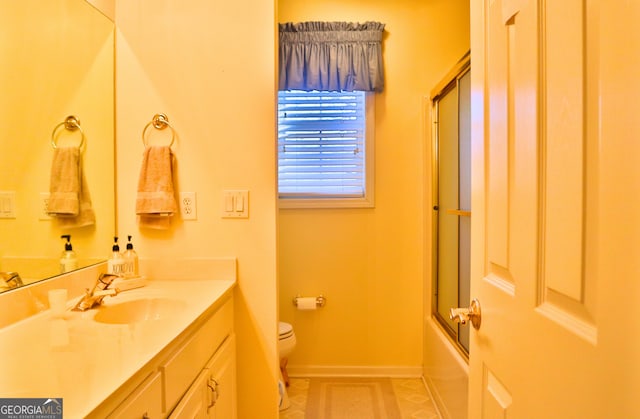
(188,210)
(7,204)
(44,206)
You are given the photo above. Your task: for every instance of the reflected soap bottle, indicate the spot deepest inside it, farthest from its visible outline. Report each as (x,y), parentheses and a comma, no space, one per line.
(116,263)
(68,260)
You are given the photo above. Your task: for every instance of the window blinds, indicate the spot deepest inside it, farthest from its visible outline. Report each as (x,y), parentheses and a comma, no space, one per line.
(321,144)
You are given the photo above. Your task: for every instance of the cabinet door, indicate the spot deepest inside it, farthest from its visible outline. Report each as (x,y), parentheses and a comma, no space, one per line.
(222,379)
(195,402)
(213,394)
(145,402)
(187,362)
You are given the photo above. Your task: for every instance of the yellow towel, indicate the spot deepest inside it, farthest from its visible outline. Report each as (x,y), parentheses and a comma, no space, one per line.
(86,216)
(156,202)
(64,190)
(69,198)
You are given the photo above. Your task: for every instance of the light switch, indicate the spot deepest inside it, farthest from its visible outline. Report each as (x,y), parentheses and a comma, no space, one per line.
(235,204)
(228,203)
(239,203)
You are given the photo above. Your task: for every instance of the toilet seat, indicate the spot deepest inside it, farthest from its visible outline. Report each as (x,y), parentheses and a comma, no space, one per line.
(285,330)
(286,340)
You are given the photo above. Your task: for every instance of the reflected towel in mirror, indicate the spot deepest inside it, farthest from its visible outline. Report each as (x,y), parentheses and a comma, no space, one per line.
(69,198)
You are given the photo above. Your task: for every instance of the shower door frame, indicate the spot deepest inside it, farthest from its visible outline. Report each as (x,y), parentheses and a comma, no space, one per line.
(449,83)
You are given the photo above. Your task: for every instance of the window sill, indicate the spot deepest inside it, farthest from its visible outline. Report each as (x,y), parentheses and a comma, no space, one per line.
(294,203)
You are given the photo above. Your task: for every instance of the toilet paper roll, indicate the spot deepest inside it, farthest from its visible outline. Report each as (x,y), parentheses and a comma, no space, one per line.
(306,303)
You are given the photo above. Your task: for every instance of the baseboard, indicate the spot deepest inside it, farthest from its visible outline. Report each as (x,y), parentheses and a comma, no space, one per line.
(353,371)
(435,396)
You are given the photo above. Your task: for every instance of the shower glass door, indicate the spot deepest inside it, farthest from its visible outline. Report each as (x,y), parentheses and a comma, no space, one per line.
(452,202)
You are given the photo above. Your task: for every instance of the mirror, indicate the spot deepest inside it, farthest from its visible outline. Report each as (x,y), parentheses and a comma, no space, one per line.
(57,60)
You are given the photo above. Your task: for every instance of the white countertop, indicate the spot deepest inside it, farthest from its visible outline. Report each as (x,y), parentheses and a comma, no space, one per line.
(84,361)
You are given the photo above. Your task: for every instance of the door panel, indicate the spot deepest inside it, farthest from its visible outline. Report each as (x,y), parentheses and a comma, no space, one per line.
(547,154)
(496,398)
(498,139)
(563,145)
(562,139)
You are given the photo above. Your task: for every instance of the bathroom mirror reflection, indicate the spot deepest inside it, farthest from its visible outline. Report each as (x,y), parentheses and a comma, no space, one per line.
(58,60)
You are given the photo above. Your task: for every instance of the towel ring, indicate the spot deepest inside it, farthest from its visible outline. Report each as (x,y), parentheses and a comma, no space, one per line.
(71,123)
(160,121)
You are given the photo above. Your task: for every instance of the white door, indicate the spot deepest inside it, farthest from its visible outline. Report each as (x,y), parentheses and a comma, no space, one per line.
(556,209)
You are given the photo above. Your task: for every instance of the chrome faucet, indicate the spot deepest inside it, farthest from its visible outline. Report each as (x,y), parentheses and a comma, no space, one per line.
(11,279)
(95,296)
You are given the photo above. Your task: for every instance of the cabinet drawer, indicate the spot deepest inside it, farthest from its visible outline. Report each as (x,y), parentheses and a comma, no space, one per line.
(183,367)
(144,402)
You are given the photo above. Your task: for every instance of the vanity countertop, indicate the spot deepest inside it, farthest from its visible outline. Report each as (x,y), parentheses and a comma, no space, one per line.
(84,361)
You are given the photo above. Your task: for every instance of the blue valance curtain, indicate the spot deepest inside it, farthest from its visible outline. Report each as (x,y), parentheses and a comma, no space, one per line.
(331,56)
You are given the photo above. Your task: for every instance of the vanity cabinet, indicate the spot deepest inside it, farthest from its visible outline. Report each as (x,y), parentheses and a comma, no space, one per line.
(144,402)
(213,394)
(192,377)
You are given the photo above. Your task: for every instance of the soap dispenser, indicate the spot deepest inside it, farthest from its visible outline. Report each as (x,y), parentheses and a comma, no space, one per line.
(68,260)
(130,260)
(115,264)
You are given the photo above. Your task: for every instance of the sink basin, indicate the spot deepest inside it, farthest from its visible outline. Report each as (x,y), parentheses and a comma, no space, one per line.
(141,310)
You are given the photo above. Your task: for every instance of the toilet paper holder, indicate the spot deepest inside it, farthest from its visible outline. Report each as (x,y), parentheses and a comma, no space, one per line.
(320,300)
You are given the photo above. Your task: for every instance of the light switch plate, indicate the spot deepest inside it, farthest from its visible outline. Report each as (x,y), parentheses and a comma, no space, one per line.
(235,203)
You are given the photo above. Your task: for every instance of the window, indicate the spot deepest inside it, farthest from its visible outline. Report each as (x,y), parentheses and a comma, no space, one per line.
(325,149)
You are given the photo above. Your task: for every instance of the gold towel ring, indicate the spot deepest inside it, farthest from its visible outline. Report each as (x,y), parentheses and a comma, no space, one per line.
(160,121)
(71,123)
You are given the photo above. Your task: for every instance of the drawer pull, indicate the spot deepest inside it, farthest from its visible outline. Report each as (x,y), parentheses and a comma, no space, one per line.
(213,386)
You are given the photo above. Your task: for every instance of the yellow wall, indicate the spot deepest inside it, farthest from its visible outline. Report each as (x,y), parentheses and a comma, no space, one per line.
(210,67)
(370,263)
(106,7)
(57,61)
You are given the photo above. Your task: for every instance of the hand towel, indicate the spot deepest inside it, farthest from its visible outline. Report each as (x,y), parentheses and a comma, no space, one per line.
(86,216)
(65,182)
(69,197)
(155,203)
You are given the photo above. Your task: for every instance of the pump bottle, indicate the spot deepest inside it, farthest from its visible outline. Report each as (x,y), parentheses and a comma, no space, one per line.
(131,261)
(68,260)
(115,264)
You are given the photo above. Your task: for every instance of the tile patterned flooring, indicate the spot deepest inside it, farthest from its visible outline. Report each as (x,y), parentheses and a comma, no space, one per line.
(413,399)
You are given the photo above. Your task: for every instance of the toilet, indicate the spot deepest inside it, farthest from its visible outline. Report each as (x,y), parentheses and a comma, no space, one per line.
(286,344)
